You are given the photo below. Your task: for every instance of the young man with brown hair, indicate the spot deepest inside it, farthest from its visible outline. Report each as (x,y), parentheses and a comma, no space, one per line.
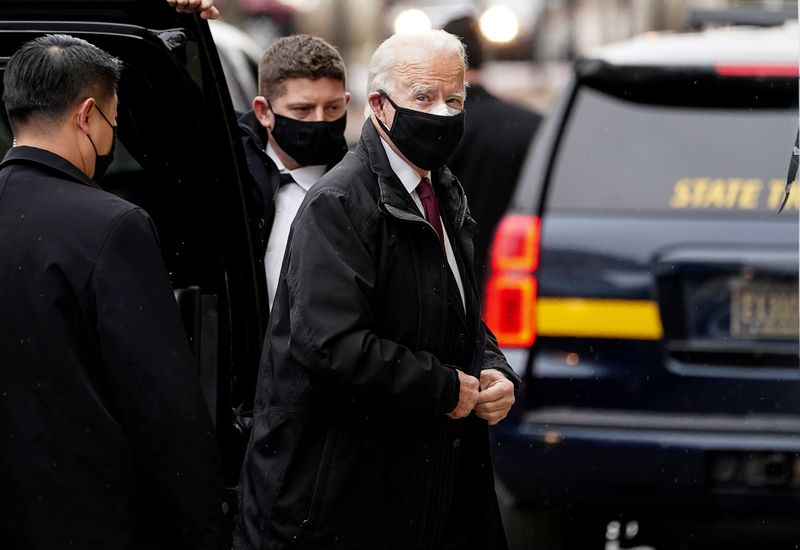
(293,135)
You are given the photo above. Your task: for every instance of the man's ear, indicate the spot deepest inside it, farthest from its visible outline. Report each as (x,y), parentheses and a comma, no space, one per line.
(346,99)
(376,103)
(82,114)
(263,112)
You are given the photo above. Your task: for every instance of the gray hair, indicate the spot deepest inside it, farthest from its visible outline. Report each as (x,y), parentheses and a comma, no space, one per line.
(400,48)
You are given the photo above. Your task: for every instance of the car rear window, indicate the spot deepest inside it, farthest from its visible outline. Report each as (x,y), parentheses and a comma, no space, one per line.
(651,153)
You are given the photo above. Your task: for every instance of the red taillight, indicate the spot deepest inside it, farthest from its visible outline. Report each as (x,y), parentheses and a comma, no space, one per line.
(510,309)
(516,244)
(757,70)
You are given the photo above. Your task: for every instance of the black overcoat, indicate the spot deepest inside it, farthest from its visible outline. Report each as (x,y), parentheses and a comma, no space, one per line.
(105,441)
(351,447)
(264,175)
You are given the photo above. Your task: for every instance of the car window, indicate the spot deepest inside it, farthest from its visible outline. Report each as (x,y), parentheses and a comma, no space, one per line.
(155,161)
(640,154)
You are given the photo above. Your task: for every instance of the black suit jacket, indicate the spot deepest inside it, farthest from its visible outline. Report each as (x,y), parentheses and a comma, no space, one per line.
(105,441)
(488,160)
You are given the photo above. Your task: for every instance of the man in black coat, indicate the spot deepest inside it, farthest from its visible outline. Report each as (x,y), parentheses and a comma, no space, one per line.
(378,378)
(105,441)
(291,137)
(293,134)
(497,135)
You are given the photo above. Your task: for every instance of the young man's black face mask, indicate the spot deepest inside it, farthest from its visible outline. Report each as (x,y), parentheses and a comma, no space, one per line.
(425,139)
(311,143)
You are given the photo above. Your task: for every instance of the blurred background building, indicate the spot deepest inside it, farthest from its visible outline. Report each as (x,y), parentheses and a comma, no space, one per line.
(530,42)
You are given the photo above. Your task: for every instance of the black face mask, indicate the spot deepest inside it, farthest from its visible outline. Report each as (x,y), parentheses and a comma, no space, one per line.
(102,162)
(311,143)
(425,139)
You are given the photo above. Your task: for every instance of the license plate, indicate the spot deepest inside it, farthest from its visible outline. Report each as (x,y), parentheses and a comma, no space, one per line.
(762,309)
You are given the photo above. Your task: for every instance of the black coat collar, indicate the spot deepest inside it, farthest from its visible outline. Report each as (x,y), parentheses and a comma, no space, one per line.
(394,197)
(41,157)
(252,128)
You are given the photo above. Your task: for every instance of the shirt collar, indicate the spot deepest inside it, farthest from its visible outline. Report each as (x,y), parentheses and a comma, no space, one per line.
(305,176)
(402,169)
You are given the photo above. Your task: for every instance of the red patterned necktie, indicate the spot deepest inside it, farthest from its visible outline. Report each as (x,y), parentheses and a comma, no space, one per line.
(431,207)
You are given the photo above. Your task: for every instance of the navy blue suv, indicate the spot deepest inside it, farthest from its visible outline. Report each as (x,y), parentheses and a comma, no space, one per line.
(645,287)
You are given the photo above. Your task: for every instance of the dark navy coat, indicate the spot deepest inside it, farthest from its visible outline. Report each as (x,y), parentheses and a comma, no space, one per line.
(105,441)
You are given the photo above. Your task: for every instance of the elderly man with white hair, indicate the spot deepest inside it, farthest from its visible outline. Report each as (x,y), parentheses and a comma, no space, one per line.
(378,378)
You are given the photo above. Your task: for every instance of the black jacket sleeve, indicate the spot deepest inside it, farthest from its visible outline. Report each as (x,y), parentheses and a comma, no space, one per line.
(493,358)
(146,355)
(331,280)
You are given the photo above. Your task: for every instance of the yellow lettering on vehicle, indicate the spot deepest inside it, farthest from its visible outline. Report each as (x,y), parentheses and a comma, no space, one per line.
(724,194)
(716,195)
(734,186)
(681,194)
(748,198)
(699,192)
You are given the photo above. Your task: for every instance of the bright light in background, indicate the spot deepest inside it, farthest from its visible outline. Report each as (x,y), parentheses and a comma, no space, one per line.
(499,24)
(411,21)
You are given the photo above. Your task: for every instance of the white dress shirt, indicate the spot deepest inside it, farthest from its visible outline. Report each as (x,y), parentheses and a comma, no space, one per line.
(287,203)
(410,180)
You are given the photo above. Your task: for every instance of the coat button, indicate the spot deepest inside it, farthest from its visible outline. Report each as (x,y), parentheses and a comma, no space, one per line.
(461,338)
(457,443)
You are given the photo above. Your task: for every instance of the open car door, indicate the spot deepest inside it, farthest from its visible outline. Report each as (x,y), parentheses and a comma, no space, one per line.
(178,157)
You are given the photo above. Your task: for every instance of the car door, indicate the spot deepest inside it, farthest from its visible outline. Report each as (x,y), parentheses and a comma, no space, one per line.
(179,158)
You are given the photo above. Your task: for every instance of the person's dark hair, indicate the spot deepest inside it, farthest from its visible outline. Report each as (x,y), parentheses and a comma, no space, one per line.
(298,56)
(49,74)
(466,29)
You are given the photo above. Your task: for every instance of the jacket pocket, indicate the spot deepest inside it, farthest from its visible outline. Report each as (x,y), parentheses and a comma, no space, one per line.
(320,487)
(346,509)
